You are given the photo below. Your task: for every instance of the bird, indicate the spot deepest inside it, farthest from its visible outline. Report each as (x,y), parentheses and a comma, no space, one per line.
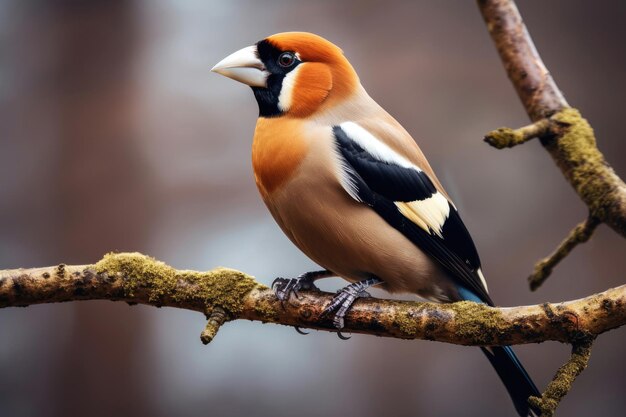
(352,190)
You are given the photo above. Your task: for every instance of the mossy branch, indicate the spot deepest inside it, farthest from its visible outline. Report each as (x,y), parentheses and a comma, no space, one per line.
(225,295)
(571,142)
(564,133)
(215,320)
(564,378)
(506,137)
(580,234)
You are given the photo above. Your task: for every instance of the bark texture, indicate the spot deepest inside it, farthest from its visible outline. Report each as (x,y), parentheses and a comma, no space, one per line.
(225,294)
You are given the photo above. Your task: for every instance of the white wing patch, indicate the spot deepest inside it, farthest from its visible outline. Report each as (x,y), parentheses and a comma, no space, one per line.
(285,98)
(482,279)
(374,146)
(430,214)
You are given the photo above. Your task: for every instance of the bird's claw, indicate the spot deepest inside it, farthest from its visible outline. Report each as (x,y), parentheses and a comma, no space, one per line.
(340,304)
(342,337)
(343,300)
(299,330)
(284,287)
(338,322)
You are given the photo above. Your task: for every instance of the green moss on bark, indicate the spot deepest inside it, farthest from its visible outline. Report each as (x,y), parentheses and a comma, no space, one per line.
(504,137)
(578,153)
(265,308)
(563,380)
(221,287)
(477,322)
(406,322)
(472,322)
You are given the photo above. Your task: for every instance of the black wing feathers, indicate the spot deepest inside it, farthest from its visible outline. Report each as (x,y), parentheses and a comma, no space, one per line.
(393,181)
(379,184)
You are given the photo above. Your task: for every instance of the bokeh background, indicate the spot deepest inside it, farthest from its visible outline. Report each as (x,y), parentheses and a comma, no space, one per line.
(114,135)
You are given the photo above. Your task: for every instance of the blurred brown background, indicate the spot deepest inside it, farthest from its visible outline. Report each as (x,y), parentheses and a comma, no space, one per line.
(114,135)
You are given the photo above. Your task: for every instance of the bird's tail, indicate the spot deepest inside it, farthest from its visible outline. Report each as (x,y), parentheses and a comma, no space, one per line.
(514,376)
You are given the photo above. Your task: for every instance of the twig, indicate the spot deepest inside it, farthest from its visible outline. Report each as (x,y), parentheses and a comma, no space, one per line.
(564,378)
(216,319)
(580,234)
(136,278)
(506,137)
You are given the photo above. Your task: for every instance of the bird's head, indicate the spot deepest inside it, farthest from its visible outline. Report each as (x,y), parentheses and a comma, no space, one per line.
(293,73)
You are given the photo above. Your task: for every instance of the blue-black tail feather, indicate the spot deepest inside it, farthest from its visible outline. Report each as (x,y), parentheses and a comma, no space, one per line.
(509,368)
(514,377)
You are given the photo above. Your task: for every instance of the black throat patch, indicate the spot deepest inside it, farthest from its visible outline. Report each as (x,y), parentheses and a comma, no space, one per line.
(267,98)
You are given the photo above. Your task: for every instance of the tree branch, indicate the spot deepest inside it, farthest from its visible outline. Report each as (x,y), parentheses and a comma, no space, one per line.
(564,133)
(224,294)
(564,378)
(580,234)
(530,77)
(570,140)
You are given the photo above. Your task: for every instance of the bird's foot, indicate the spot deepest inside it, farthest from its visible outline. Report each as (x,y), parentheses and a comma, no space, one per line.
(284,287)
(344,299)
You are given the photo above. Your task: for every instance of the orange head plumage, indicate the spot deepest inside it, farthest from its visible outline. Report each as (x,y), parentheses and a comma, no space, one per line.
(292,74)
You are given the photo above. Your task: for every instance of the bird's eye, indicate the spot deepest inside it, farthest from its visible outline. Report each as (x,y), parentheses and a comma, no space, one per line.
(286,59)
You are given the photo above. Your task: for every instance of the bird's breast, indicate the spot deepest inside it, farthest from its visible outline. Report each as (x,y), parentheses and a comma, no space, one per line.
(278,149)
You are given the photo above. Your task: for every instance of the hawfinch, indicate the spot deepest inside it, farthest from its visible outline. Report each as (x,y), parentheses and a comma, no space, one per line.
(351,188)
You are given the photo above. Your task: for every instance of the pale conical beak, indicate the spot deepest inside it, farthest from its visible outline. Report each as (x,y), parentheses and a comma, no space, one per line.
(243,66)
